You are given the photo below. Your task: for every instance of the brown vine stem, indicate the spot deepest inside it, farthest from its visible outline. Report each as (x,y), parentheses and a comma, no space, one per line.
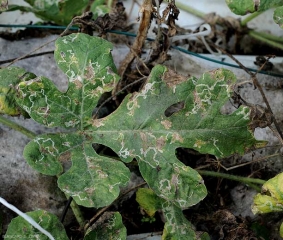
(146,9)
(256,84)
(43,45)
(28,56)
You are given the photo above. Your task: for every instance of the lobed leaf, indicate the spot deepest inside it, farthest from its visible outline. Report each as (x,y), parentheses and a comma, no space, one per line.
(138,129)
(19,228)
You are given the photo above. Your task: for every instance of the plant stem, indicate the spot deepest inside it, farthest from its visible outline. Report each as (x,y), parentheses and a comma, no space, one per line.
(245,180)
(78,214)
(254,186)
(249,18)
(269,36)
(109,3)
(17,127)
(191,10)
(269,39)
(263,38)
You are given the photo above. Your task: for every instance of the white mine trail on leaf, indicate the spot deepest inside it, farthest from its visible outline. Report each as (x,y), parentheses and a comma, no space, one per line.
(245,112)
(214,144)
(171,221)
(66,99)
(72,37)
(146,152)
(111,222)
(111,187)
(72,123)
(182,202)
(67,144)
(70,73)
(41,141)
(77,194)
(124,153)
(133,104)
(164,187)
(203,94)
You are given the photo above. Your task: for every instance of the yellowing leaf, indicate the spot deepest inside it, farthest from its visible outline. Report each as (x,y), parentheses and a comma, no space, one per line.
(9,78)
(148,200)
(271,199)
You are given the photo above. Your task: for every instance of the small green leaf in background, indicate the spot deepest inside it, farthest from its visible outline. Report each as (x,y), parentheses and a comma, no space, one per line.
(99,8)
(148,201)
(278,16)
(243,7)
(9,78)
(261,231)
(108,226)
(19,228)
(3,5)
(271,199)
(57,11)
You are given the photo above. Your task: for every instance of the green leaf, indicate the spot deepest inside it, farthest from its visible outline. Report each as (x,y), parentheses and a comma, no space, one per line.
(281,230)
(9,78)
(177,227)
(21,229)
(3,5)
(99,8)
(88,63)
(148,200)
(137,129)
(108,226)
(243,7)
(278,16)
(204,236)
(57,11)
(271,200)
(92,180)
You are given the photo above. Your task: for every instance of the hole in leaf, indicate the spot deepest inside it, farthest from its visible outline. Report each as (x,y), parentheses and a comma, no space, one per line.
(105,106)
(193,158)
(176,107)
(103,150)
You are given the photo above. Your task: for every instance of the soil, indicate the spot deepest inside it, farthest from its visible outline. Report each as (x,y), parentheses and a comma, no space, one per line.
(219,214)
